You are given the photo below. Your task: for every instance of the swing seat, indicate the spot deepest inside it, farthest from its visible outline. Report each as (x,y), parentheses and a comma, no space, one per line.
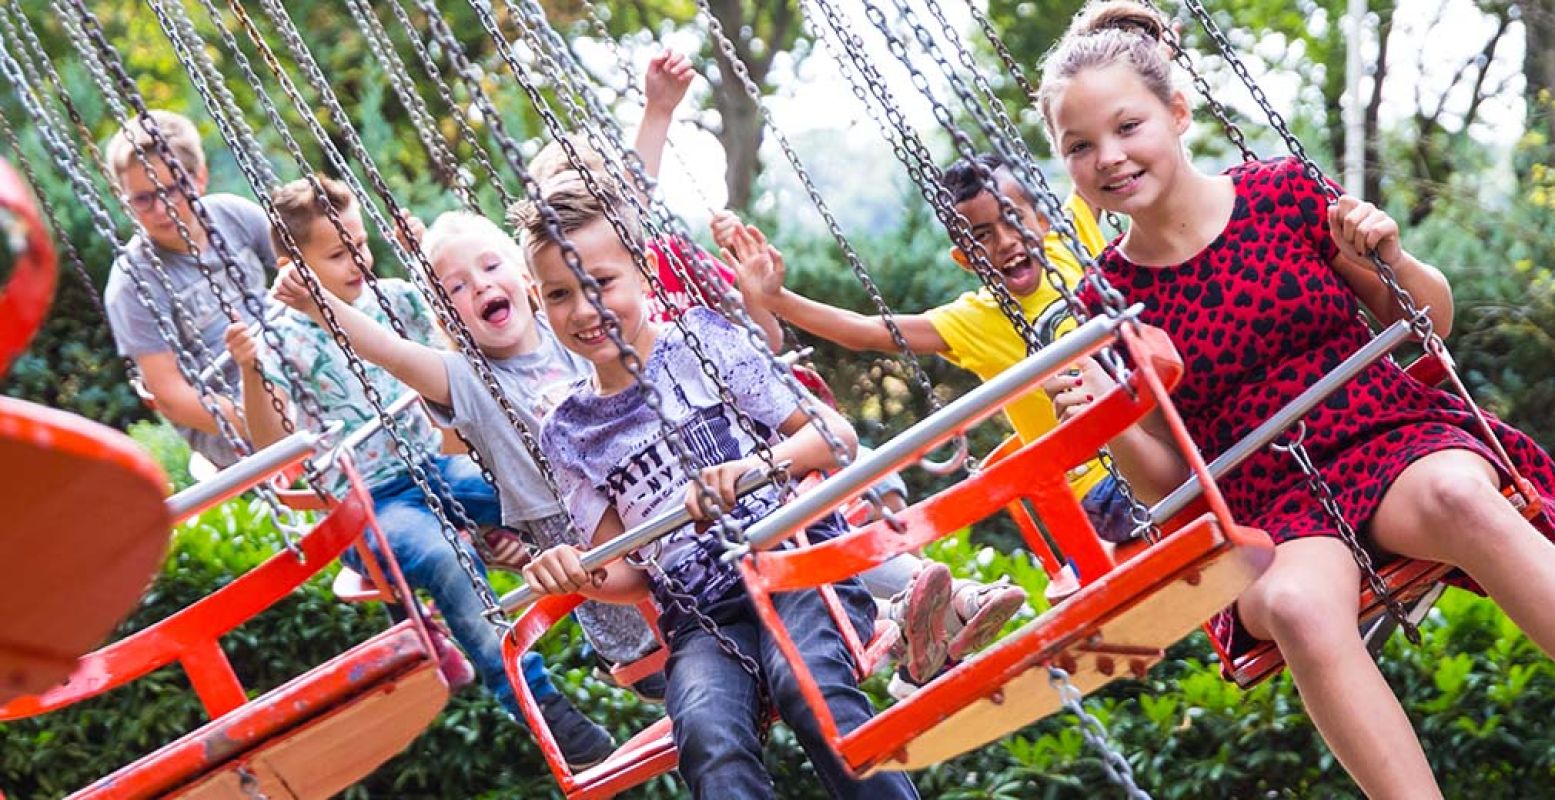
(651,752)
(1129,607)
(311,737)
(25,298)
(80,499)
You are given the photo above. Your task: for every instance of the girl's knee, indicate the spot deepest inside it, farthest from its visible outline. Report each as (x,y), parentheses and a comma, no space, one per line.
(1294,613)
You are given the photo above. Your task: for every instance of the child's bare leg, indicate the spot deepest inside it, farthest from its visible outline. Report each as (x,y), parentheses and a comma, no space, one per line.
(1447,507)
(1307,603)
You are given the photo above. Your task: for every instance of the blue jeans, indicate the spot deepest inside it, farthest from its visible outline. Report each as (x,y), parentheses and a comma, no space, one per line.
(430,565)
(712,701)
(1109,511)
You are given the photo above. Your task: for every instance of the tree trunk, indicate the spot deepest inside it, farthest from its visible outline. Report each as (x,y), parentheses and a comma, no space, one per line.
(740,131)
(1539,71)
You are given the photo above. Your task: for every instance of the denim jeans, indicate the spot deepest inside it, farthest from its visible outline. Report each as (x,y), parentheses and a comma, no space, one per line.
(431,566)
(1109,511)
(712,701)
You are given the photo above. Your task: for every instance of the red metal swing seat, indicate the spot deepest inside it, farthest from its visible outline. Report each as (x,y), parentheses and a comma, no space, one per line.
(310,737)
(1118,623)
(651,752)
(78,498)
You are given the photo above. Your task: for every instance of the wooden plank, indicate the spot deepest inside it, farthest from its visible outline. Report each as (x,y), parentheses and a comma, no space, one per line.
(331,753)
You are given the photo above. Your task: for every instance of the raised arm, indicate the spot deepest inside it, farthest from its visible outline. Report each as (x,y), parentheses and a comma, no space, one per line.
(665,82)
(761,273)
(416,365)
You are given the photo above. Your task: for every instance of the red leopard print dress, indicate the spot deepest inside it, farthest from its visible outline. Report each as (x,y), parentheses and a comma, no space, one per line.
(1259,315)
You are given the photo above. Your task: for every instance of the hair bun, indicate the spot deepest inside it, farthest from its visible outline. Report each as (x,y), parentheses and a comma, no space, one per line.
(1122,15)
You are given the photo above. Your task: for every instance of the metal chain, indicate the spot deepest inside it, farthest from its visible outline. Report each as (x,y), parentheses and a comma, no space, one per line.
(1095,733)
(1321,490)
(685,603)
(729,529)
(105,59)
(1001,132)
(614,152)
(67,160)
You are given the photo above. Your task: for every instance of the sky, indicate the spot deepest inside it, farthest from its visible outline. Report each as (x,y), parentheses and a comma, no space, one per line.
(814,107)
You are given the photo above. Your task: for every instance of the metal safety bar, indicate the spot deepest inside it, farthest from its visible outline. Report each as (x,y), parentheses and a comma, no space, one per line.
(240,476)
(908,446)
(637,538)
(1260,437)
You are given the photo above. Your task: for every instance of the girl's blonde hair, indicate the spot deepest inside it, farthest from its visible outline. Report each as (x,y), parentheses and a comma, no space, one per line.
(1104,33)
(450,226)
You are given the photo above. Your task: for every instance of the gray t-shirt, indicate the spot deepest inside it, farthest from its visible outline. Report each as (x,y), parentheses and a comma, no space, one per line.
(243,226)
(534,383)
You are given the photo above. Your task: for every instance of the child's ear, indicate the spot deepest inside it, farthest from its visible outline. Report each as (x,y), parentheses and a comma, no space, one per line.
(960,258)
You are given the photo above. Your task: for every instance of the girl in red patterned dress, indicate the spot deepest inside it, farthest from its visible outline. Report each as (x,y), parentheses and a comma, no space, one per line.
(1259,285)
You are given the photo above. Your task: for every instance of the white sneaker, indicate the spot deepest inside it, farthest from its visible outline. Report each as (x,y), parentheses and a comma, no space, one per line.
(919,612)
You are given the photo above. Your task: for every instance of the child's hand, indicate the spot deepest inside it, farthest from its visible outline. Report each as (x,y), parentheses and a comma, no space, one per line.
(1359,227)
(664,84)
(759,265)
(241,346)
(721,480)
(724,224)
(290,288)
(1074,389)
(559,570)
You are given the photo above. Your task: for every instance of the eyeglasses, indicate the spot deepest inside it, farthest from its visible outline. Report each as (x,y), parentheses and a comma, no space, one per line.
(141,201)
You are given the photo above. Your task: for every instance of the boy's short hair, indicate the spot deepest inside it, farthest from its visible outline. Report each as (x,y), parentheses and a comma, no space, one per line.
(575,206)
(183,138)
(450,225)
(552,159)
(298,207)
(963,182)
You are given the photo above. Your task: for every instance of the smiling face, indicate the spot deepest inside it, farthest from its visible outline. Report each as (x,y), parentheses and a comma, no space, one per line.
(1003,242)
(326,253)
(490,293)
(140,193)
(577,323)
(1120,142)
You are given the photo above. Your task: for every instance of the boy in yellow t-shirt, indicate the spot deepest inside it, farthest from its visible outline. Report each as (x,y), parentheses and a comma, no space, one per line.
(971,331)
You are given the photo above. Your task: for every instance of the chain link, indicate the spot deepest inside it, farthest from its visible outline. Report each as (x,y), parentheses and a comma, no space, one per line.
(1095,733)
(1320,489)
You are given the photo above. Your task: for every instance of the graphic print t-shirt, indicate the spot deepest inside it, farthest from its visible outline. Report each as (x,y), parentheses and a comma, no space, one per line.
(611,451)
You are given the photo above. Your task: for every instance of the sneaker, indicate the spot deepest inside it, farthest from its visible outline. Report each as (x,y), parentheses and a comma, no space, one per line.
(582,742)
(1065,583)
(652,689)
(457,670)
(901,687)
(982,608)
(919,612)
(505,549)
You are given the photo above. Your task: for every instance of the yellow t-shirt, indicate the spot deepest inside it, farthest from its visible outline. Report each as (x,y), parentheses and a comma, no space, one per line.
(982,340)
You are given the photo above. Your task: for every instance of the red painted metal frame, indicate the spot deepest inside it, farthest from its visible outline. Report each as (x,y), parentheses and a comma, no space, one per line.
(1035,473)
(191,637)
(24,300)
(651,752)
(1406,579)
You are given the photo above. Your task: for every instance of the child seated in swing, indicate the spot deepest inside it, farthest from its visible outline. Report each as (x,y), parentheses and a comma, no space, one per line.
(402,511)
(482,270)
(1259,281)
(617,467)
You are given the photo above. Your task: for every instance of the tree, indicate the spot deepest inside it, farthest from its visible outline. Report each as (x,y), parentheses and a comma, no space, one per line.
(759,31)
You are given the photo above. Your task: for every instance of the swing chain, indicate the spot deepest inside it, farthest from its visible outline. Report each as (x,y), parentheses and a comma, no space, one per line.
(1318,485)
(685,603)
(1095,734)
(1138,513)
(556,60)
